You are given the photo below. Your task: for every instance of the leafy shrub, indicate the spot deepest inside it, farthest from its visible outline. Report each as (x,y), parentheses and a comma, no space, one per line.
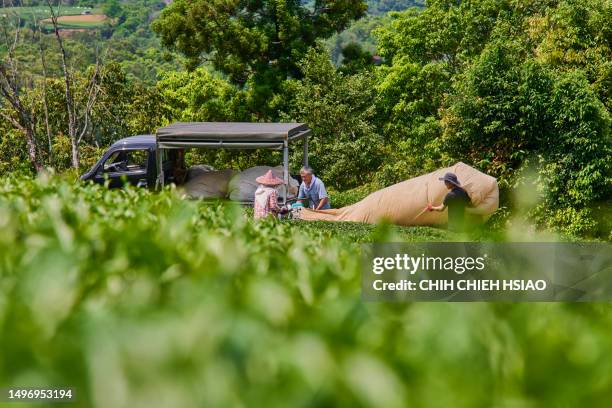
(62,154)
(13,153)
(180,303)
(348,197)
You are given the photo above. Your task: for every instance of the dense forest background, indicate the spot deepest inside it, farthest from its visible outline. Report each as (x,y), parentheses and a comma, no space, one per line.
(519,89)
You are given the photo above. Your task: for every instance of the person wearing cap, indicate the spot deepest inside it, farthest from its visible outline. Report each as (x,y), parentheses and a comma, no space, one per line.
(266,196)
(313,190)
(457,200)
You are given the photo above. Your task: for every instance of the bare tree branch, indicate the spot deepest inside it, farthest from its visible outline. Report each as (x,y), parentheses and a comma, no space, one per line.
(72,131)
(14,122)
(92,93)
(10,91)
(43,62)
(25,122)
(12,45)
(10,84)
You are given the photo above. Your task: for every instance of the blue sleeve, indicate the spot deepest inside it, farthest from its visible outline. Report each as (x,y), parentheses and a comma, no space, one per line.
(322,191)
(301,193)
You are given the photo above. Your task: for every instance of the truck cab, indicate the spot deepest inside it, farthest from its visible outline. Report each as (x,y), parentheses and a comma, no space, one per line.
(133,160)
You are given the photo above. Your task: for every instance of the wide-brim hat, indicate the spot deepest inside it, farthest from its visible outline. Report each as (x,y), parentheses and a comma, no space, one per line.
(451,178)
(269,179)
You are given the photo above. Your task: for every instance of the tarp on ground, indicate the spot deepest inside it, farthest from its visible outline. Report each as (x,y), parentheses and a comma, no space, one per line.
(203,182)
(402,203)
(208,184)
(242,186)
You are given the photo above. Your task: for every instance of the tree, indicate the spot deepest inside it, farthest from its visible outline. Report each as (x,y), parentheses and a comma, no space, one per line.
(378,7)
(355,59)
(13,107)
(201,96)
(345,146)
(78,116)
(112,8)
(256,40)
(423,50)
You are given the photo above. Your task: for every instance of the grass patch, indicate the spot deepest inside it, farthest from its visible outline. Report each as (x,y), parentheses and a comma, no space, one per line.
(77,24)
(42,12)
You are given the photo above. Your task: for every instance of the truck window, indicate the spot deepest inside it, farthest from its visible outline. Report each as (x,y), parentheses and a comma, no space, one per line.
(126,160)
(137,159)
(110,165)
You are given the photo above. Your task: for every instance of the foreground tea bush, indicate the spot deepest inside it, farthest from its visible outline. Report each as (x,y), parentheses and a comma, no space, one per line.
(143,299)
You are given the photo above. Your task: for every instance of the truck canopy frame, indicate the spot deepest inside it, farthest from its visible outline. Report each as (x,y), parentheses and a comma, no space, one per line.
(232,135)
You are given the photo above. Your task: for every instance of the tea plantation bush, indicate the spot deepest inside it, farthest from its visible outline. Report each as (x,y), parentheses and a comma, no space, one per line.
(140,299)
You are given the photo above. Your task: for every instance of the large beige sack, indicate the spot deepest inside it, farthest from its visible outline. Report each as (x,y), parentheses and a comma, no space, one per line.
(212,184)
(402,203)
(197,170)
(243,185)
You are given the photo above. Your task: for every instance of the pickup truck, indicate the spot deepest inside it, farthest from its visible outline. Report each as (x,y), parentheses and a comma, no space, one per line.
(133,159)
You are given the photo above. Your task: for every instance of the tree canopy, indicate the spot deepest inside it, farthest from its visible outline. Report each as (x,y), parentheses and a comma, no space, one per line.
(252,39)
(505,85)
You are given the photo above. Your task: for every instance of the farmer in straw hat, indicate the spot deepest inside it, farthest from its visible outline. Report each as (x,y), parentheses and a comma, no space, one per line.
(266,197)
(457,200)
